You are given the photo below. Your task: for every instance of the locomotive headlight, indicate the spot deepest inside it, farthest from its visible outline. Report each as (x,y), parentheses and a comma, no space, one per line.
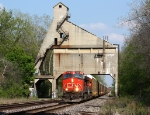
(77,89)
(66,89)
(72,80)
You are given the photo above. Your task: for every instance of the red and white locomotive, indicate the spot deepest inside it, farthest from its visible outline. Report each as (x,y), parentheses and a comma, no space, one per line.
(77,87)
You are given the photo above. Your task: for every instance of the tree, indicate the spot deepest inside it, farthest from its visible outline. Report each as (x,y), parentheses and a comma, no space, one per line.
(24,62)
(20,39)
(22,29)
(101,78)
(33,32)
(135,59)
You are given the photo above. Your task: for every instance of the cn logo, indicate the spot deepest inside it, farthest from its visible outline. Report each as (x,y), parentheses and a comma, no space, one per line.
(71,85)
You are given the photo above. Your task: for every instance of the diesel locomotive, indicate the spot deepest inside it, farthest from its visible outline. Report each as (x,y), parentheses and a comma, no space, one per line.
(77,87)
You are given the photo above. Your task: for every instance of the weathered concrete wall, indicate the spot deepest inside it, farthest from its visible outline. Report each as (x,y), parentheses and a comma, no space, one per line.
(84,62)
(78,37)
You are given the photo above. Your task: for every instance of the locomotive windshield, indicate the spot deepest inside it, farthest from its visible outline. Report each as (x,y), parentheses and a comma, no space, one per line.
(72,75)
(68,76)
(78,75)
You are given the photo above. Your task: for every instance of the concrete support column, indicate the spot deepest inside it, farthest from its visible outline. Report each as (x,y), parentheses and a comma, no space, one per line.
(116,76)
(116,85)
(35,90)
(50,80)
(54,95)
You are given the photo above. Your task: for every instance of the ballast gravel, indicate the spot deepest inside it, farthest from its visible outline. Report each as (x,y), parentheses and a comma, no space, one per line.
(92,107)
(28,108)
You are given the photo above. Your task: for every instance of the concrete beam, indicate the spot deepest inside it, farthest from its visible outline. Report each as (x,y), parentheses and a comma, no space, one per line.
(44,77)
(107,51)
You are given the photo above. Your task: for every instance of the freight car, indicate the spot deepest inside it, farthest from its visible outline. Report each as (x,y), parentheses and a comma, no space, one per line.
(77,87)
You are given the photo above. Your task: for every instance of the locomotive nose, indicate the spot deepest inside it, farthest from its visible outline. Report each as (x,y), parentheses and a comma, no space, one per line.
(72,80)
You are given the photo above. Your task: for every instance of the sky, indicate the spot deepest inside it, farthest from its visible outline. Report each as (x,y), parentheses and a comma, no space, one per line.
(100,17)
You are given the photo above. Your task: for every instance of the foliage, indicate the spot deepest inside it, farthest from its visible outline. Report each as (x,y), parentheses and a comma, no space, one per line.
(124,106)
(113,89)
(22,30)
(101,79)
(59,86)
(45,89)
(12,83)
(20,39)
(24,62)
(135,57)
(13,90)
(33,33)
(17,100)
(7,24)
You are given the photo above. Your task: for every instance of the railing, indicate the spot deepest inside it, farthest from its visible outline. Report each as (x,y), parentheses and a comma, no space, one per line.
(65,37)
(59,24)
(61,30)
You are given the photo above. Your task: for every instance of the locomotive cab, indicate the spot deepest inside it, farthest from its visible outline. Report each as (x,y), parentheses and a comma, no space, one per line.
(72,82)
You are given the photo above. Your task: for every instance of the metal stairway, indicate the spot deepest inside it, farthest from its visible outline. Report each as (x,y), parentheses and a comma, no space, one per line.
(64,34)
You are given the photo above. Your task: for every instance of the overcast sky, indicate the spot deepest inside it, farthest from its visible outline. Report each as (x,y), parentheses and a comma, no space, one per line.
(100,17)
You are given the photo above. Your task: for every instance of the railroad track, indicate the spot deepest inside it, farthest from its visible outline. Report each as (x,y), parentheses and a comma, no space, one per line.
(6,106)
(34,108)
(50,110)
(53,107)
(19,108)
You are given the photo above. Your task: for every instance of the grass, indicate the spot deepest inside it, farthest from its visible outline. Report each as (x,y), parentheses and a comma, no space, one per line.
(124,106)
(17,100)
